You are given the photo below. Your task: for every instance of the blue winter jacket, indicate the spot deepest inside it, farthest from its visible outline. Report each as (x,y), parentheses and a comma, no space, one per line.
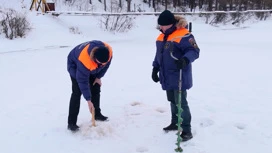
(182,43)
(81,66)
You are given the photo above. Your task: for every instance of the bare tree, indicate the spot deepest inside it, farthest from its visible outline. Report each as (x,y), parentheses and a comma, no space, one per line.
(183,5)
(14,24)
(117,23)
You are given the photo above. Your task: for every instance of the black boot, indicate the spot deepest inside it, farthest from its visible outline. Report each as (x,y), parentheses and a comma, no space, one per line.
(96,101)
(100,117)
(186,136)
(73,127)
(171,127)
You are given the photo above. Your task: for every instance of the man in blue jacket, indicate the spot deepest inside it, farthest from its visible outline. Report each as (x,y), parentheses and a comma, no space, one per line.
(177,39)
(87,63)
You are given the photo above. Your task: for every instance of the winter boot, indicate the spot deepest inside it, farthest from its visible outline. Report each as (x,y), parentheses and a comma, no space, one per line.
(100,117)
(186,136)
(171,127)
(73,127)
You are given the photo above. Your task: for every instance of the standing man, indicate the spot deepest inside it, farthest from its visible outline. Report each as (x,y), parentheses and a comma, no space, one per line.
(177,39)
(87,64)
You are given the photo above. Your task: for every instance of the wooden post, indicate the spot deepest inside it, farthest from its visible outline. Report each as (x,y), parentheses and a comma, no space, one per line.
(46,5)
(39,5)
(33,4)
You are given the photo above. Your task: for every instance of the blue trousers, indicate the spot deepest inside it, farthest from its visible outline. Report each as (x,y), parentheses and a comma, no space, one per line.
(172,97)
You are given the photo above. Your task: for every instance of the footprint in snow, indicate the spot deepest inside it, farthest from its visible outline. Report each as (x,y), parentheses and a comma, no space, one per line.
(206,123)
(142,149)
(135,103)
(240,126)
(160,110)
(135,114)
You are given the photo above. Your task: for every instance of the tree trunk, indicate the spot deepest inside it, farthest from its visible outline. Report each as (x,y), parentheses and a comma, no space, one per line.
(154,5)
(230,5)
(174,3)
(192,5)
(210,5)
(128,5)
(105,5)
(120,3)
(216,5)
(179,2)
(200,3)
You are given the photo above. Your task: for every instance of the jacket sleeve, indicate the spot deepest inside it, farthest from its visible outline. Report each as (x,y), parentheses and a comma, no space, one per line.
(190,48)
(82,77)
(104,70)
(155,62)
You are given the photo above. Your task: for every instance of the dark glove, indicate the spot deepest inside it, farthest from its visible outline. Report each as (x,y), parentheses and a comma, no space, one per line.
(155,77)
(182,63)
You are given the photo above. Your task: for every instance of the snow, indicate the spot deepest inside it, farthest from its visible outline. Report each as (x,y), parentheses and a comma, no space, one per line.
(230,101)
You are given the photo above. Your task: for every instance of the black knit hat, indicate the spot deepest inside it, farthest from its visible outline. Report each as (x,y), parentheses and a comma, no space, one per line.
(102,54)
(166,18)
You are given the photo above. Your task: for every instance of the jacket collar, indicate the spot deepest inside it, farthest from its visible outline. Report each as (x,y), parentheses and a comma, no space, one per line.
(170,30)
